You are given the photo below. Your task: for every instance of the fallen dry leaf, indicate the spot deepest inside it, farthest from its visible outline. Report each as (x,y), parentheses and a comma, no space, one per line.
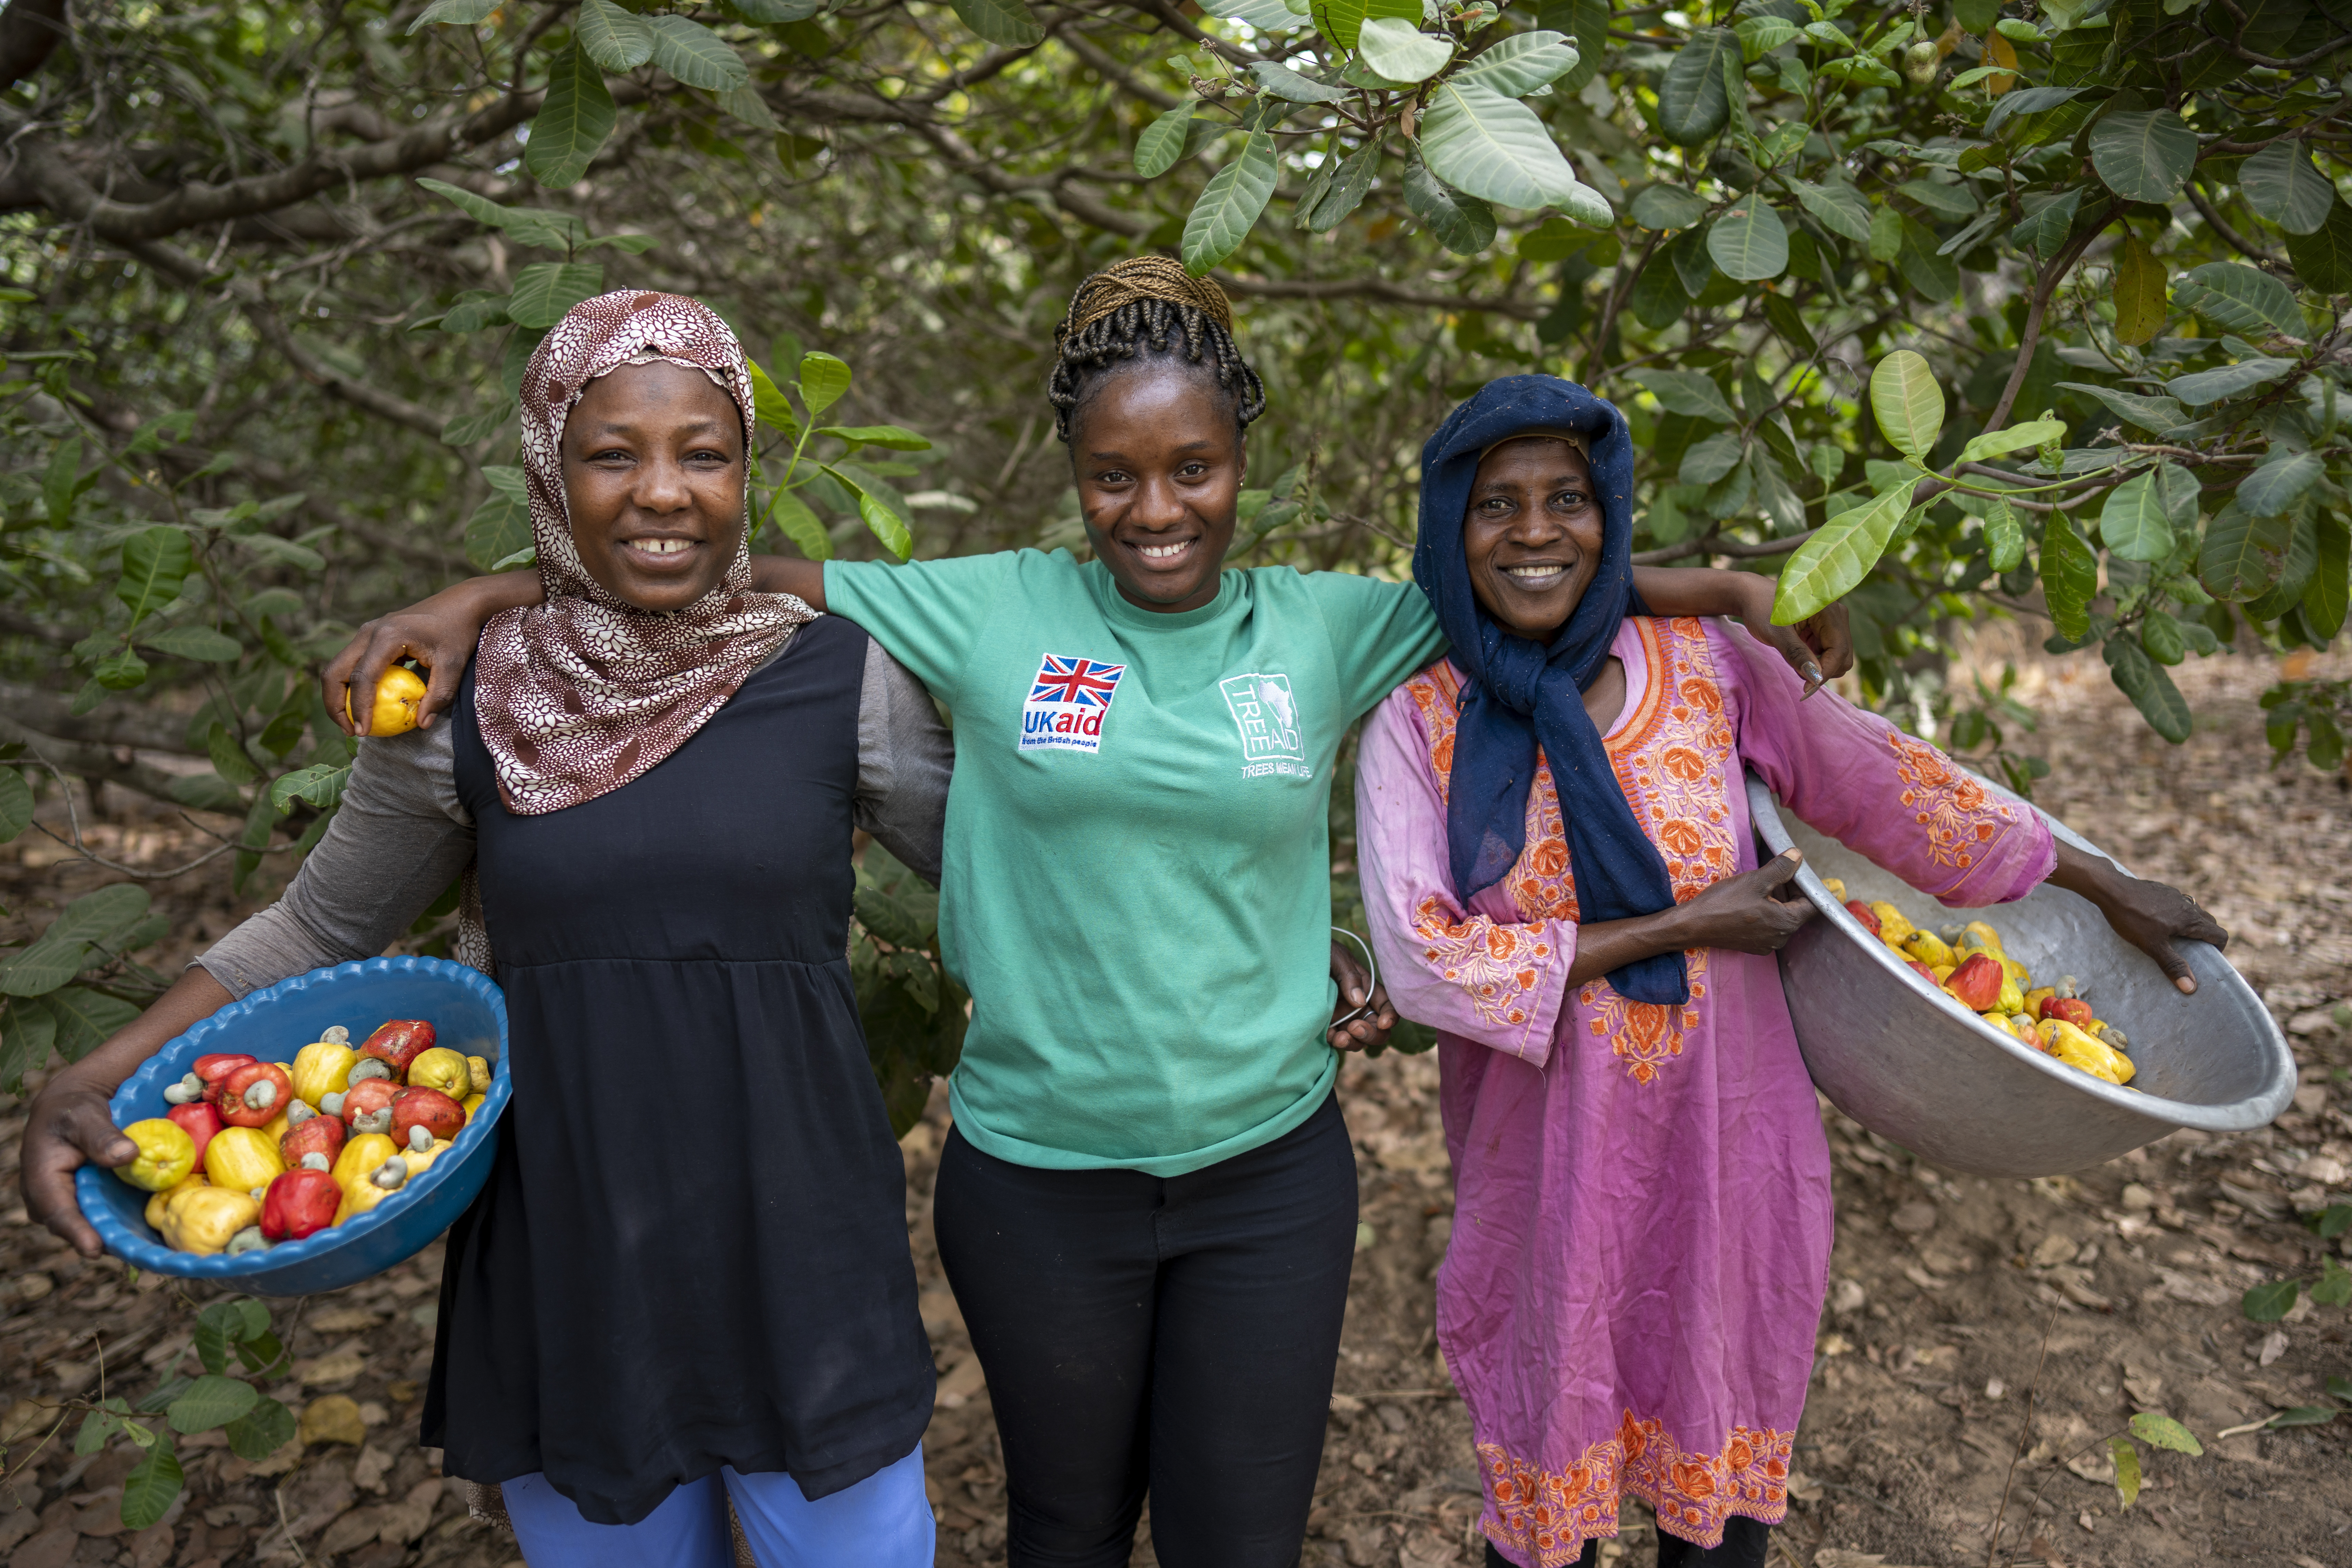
(333,1419)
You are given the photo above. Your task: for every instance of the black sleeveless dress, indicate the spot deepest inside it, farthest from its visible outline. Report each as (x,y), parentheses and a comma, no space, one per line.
(692,1248)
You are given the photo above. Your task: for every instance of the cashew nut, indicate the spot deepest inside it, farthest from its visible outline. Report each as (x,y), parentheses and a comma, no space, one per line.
(335,1034)
(314,1160)
(249,1239)
(298,1113)
(374,1121)
(260,1094)
(368,1067)
(331,1104)
(390,1174)
(419,1139)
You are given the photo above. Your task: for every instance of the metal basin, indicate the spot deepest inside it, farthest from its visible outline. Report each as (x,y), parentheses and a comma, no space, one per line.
(1915,1065)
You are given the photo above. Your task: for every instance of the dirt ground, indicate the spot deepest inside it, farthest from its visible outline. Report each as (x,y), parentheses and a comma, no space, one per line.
(1944,1291)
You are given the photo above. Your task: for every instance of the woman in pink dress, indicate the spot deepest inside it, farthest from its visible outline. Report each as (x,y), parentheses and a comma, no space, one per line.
(1560,878)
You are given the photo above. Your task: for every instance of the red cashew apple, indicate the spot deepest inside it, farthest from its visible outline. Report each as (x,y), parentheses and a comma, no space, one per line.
(299,1202)
(214,1070)
(199,1121)
(1977,982)
(2072,1009)
(319,1135)
(1923,971)
(256,1095)
(1861,912)
(399,1043)
(439,1115)
(365,1098)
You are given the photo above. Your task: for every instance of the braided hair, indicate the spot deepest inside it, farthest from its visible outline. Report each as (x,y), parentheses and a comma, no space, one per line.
(1147,307)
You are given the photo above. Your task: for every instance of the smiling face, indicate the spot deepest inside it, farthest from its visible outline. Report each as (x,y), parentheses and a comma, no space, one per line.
(1532,535)
(1159,462)
(653,477)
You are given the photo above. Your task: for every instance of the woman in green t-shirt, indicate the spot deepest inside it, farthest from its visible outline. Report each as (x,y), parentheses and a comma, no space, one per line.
(1147,1205)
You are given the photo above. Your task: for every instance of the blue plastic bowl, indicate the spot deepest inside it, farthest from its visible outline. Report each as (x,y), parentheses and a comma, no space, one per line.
(469,1013)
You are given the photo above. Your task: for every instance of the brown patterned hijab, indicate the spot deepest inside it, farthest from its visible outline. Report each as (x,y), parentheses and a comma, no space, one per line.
(580,695)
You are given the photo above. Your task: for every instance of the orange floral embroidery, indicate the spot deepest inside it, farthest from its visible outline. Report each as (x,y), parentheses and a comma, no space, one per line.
(1495,966)
(1645,1036)
(1550,1515)
(1953,808)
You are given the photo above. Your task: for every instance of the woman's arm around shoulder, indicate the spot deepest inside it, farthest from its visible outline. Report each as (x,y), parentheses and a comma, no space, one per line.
(905,757)
(1818,649)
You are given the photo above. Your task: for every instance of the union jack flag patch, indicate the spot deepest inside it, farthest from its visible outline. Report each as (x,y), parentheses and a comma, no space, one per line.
(1067,704)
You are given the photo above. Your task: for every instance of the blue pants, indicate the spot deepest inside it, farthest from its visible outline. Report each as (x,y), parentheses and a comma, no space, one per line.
(883,1521)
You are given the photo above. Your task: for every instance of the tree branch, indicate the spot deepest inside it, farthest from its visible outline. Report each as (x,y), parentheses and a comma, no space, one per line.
(1373,289)
(2230,237)
(30,29)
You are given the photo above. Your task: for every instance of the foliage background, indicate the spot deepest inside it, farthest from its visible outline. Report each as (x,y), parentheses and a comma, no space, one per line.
(258,379)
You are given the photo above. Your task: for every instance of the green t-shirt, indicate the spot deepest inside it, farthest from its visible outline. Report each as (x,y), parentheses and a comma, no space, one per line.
(1137,890)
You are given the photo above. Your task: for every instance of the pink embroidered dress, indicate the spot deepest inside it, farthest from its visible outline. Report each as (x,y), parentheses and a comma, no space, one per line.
(1641,1230)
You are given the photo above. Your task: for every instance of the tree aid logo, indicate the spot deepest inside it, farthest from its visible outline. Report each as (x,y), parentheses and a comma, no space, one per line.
(1267,717)
(1067,704)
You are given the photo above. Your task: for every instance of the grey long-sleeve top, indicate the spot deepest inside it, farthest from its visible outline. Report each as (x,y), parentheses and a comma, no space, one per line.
(403,835)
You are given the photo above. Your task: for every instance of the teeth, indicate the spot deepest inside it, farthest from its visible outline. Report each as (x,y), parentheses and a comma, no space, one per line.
(1532,572)
(664,546)
(1162,552)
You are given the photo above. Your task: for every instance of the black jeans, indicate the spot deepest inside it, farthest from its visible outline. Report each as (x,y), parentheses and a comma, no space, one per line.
(1171,1335)
(1745,1542)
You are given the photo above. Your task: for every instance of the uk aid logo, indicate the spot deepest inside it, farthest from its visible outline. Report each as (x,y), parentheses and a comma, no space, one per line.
(1267,717)
(1067,704)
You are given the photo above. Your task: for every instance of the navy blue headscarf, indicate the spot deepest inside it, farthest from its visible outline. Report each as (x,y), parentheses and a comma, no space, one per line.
(1520,695)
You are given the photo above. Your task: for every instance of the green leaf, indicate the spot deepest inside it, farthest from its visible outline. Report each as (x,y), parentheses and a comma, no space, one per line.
(1839,555)
(86,1019)
(2157,414)
(321,784)
(884,512)
(2070,576)
(2126,1458)
(2269,1303)
(1907,404)
(499,527)
(2138,291)
(1944,201)
(769,404)
(544,290)
(800,525)
(1686,391)
(2004,539)
(1004,22)
(2144,156)
(155,562)
(1709,461)
(2281,184)
(1493,148)
(2296,569)
(62,482)
(1464,225)
(39,969)
(1341,20)
(1401,52)
(1162,142)
(573,119)
(530,226)
(1693,104)
(2049,219)
(466,429)
(1994,442)
(149,1491)
(1663,209)
(1346,192)
(2238,299)
(1749,243)
(16,803)
(1285,83)
(201,643)
(2333,1289)
(120,670)
(2323,259)
(895,437)
(1841,209)
(228,758)
(2305,1416)
(2139,519)
(454,13)
(212,1401)
(96,1429)
(1759,36)
(2229,381)
(2142,680)
(822,380)
(2323,598)
(1230,205)
(1518,64)
(29,1032)
(614,38)
(2242,553)
(261,1431)
(2279,482)
(695,56)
